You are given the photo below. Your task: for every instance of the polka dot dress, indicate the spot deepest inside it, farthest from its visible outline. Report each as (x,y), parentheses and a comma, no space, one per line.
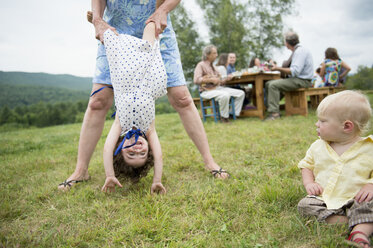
(138,76)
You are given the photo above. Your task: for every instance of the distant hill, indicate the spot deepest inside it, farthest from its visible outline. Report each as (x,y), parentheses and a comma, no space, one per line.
(23,88)
(64,81)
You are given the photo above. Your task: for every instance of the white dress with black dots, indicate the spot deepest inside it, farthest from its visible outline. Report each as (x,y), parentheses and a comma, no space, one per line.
(138,76)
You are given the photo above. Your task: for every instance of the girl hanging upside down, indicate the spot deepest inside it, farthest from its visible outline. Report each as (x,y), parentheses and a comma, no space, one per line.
(138,76)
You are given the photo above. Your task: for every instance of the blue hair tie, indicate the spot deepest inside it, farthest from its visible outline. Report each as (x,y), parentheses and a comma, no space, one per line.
(129,134)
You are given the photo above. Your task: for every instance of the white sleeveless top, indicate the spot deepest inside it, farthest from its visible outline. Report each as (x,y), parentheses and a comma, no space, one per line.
(138,77)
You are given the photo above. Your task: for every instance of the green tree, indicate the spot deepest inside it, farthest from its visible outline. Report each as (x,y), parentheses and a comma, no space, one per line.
(362,80)
(5,114)
(250,29)
(189,41)
(225,20)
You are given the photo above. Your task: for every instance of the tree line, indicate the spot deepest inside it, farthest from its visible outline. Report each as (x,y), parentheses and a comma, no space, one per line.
(45,114)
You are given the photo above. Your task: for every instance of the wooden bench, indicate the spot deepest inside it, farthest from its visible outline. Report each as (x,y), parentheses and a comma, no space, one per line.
(296,101)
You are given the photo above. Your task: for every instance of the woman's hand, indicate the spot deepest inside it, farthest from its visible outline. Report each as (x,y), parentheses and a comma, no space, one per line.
(100,27)
(158,188)
(159,17)
(110,183)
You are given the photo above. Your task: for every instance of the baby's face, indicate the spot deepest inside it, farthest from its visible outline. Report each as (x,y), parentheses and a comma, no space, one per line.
(329,128)
(136,155)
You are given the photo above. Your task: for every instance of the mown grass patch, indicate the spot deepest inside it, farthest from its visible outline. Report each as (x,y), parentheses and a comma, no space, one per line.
(256,207)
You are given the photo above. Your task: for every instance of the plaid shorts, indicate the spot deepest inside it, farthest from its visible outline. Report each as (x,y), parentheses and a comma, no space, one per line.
(357,213)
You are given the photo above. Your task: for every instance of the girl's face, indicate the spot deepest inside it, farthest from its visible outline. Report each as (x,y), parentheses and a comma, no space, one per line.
(329,128)
(136,156)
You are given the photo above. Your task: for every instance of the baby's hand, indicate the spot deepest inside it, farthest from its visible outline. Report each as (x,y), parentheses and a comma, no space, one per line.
(158,188)
(110,183)
(365,194)
(313,189)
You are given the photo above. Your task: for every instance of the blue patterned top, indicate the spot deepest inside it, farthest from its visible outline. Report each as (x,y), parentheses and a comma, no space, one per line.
(332,69)
(128,17)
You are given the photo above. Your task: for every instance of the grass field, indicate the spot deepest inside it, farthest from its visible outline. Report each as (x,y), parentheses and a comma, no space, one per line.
(256,207)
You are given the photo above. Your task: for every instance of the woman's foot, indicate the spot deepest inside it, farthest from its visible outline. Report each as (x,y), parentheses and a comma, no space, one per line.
(73,180)
(217,171)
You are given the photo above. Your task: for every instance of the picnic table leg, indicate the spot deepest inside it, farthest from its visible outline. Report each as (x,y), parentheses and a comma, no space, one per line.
(259,95)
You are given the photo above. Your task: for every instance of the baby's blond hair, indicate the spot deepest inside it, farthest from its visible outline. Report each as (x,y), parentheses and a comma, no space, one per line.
(348,105)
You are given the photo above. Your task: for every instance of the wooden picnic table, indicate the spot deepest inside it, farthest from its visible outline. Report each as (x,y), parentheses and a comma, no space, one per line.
(257,80)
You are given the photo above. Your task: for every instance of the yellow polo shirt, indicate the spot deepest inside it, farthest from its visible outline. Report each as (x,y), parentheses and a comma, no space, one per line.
(343,176)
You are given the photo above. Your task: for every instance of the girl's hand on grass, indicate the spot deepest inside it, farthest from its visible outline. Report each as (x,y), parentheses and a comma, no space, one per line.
(313,189)
(365,194)
(158,188)
(110,183)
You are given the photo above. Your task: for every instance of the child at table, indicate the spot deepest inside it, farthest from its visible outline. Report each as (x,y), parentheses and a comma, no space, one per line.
(331,68)
(139,78)
(337,169)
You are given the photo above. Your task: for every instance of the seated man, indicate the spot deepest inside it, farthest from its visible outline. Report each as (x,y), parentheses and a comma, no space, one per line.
(209,81)
(299,74)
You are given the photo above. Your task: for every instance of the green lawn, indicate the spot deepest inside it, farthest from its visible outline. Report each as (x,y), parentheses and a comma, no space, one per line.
(256,207)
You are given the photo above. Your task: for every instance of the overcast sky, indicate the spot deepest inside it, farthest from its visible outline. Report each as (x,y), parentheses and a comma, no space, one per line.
(55,37)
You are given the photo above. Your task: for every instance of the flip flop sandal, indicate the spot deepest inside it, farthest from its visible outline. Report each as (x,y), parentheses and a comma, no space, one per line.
(216,173)
(70,183)
(359,241)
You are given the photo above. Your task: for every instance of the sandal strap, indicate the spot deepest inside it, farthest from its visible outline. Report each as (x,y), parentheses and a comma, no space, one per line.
(354,233)
(361,241)
(218,172)
(68,183)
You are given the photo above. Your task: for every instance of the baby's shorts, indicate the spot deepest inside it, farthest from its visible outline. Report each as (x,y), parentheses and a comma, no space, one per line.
(356,213)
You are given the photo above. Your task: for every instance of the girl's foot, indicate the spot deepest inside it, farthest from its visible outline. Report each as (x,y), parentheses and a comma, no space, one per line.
(359,238)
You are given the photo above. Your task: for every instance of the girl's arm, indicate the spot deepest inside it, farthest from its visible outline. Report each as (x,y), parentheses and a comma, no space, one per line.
(322,70)
(158,162)
(309,183)
(109,147)
(347,69)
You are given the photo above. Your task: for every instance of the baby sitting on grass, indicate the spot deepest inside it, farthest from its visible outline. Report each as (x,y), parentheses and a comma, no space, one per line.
(337,169)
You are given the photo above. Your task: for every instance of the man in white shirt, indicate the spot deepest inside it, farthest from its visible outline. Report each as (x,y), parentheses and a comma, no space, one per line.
(299,72)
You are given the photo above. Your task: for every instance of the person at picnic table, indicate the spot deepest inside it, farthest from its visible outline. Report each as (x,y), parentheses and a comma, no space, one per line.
(231,63)
(331,68)
(125,17)
(221,66)
(210,84)
(299,74)
(337,169)
(255,62)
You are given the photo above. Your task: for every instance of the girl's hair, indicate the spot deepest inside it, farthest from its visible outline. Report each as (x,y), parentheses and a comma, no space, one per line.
(348,105)
(331,53)
(252,62)
(223,59)
(206,51)
(122,169)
